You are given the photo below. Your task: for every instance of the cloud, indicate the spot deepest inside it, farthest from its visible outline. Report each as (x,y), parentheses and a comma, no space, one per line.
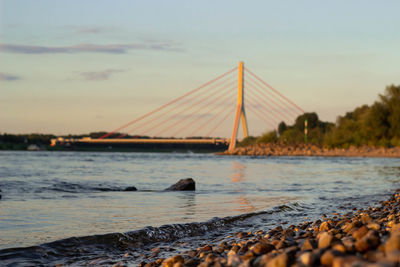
(92,30)
(8,77)
(88,29)
(99,75)
(89,48)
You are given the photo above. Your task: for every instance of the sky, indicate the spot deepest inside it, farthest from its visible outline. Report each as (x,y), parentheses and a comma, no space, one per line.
(82,66)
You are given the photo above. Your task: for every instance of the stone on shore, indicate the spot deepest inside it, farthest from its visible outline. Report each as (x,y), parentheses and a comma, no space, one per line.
(325,240)
(393,243)
(173,261)
(309,244)
(262,248)
(276,149)
(369,237)
(187,184)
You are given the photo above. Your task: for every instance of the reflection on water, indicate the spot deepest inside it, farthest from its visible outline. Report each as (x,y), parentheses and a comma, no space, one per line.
(238,172)
(238,177)
(245,205)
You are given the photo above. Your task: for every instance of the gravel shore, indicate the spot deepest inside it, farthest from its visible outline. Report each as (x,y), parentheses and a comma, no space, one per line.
(271,149)
(365,237)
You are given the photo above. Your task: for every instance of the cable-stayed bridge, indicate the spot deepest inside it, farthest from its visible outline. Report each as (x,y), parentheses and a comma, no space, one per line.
(193,118)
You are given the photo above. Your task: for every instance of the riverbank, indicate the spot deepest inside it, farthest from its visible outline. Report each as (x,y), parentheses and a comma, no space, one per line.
(367,237)
(271,149)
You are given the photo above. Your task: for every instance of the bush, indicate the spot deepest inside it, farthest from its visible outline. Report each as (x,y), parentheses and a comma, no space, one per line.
(269,137)
(291,137)
(250,140)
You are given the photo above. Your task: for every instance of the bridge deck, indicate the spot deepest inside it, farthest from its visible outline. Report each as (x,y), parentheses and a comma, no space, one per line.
(153,141)
(140,141)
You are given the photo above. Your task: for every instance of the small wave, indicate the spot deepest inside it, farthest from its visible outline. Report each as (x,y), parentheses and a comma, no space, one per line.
(79,188)
(69,187)
(15,187)
(74,249)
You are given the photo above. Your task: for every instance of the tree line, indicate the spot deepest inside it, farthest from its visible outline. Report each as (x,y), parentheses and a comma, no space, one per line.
(374,125)
(22,141)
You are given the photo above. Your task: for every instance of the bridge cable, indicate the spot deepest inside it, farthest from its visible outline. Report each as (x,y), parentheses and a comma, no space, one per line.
(272,117)
(219,104)
(171,117)
(272,120)
(262,91)
(201,126)
(275,91)
(169,111)
(230,112)
(260,117)
(208,111)
(169,103)
(260,96)
(194,112)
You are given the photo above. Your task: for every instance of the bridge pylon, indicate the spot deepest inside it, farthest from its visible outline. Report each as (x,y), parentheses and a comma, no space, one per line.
(240,111)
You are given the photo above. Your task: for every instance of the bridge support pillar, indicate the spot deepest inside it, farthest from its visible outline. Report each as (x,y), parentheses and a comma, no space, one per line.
(240,111)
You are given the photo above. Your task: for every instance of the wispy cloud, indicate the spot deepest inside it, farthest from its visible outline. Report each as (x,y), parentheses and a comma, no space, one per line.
(88,29)
(8,77)
(89,48)
(92,30)
(99,75)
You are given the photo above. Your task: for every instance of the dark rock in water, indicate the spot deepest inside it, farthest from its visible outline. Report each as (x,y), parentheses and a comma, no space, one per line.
(130,188)
(187,184)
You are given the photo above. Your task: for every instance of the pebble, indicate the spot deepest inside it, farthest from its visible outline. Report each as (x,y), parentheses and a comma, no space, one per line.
(368,237)
(329,255)
(374,226)
(282,260)
(205,248)
(325,240)
(309,244)
(233,259)
(172,261)
(393,243)
(324,226)
(307,259)
(360,232)
(262,248)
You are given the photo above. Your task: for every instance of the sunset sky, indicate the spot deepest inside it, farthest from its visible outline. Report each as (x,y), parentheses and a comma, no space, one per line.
(81,66)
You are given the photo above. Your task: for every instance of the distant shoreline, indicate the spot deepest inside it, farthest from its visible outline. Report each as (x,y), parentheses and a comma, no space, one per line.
(264,150)
(272,149)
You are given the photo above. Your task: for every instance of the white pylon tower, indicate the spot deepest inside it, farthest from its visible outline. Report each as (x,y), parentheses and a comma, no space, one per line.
(240,111)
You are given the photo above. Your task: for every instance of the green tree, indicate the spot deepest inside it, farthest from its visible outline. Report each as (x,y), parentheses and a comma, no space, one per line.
(269,137)
(391,100)
(250,140)
(312,120)
(376,124)
(349,129)
(282,127)
(292,136)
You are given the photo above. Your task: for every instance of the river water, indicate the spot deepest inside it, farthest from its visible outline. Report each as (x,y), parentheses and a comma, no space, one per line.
(71,207)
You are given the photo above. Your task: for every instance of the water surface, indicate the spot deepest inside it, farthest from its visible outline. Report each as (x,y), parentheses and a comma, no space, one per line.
(48,196)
